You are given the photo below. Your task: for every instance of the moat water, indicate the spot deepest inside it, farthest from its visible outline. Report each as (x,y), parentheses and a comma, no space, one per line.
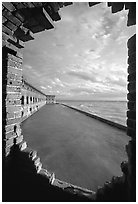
(78,149)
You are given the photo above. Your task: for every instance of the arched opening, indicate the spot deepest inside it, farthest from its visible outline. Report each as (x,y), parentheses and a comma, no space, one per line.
(110,78)
(22,100)
(27,99)
(131,105)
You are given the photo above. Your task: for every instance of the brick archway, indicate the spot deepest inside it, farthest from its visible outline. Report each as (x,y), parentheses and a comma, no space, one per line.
(20,21)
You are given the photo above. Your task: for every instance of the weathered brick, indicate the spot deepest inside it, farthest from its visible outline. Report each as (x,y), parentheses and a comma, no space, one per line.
(131,114)
(9,142)
(13,89)
(132,77)
(9,45)
(19,55)
(12,18)
(14,48)
(19,139)
(131,96)
(14,58)
(13,121)
(23,34)
(19,5)
(10,115)
(19,15)
(13,82)
(131,132)
(9,128)
(24,117)
(131,123)
(10,135)
(6,30)
(14,64)
(13,102)
(11,108)
(7,150)
(37,4)
(22,145)
(12,76)
(9,6)
(4,19)
(18,114)
(33,154)
(11,63)
(14,71)
(18,130)
(36,161)
(13,96)
(11,26)
(8,38)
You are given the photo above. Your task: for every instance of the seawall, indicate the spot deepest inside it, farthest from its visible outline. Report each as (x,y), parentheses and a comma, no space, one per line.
(119,126)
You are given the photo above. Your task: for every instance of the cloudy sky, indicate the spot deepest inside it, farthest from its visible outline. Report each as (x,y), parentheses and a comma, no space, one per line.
(83,57)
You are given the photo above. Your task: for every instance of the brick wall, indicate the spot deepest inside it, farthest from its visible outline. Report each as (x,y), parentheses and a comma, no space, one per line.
(131,118)
(12,73)
(131,114)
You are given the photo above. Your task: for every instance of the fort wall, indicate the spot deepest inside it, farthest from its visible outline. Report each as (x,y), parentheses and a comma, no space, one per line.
(32,100)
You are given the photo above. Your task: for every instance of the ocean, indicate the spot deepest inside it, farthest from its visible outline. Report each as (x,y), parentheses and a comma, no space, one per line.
(110,110)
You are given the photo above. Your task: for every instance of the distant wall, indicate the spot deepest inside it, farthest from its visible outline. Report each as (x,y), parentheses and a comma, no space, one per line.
(31,101)
(50,99)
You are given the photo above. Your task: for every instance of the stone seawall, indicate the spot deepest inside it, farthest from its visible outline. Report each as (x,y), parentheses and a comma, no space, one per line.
(119,126)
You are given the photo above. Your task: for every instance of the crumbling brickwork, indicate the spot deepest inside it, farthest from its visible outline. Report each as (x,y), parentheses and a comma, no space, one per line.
(12,80)
(131,120)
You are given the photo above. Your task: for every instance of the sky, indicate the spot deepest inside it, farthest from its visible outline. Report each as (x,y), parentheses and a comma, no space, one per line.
(84,57)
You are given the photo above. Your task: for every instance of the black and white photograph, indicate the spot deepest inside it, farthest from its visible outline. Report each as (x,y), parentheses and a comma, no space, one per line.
(68,101)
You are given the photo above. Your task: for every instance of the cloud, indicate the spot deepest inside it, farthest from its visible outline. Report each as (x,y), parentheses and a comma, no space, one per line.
(84,53)
(59,45)
(80,90)
(43,87)
(82,75)
(116,80)
(57,82)
(121,39)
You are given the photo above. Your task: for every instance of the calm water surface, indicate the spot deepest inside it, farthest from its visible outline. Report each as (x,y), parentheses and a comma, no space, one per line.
(79,149)
(111,110)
